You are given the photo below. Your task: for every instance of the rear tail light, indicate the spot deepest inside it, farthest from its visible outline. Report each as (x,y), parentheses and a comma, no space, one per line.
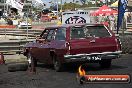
(67,44)
(118,44)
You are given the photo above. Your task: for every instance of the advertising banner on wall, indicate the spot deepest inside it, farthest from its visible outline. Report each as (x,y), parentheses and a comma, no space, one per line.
(72,17)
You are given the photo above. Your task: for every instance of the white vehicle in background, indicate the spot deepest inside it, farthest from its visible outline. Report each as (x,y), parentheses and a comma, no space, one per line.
(24,25)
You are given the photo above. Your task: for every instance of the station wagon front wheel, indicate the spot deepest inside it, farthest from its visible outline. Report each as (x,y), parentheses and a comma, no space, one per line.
(57,65)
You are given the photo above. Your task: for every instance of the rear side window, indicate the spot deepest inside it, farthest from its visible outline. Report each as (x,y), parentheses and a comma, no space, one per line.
(97,31)
(77,32)
(89,31)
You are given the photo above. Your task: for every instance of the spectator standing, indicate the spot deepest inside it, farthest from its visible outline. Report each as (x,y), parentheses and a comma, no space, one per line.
(112,22)
(129,18)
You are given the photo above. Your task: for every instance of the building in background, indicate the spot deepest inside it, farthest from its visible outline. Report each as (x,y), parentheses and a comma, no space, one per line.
(5,7)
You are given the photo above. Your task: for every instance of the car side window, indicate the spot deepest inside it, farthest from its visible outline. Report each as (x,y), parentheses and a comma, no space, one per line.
(60,34)
(98,31)
(50,35)
(44,35)
(77,32)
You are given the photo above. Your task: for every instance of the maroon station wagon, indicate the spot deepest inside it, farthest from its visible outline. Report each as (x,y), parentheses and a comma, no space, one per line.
(74,43)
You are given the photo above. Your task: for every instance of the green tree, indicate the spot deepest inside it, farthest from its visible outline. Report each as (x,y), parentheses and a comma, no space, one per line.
(70,6)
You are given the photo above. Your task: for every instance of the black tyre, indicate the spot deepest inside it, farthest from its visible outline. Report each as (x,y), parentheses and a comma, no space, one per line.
(105,63)
(57,64)
(12,67)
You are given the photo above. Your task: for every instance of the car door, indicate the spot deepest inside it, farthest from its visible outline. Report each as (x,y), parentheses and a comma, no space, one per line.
(35,45)
(59,44)
(44,47)
(56,43)
(79,43)
(40,42)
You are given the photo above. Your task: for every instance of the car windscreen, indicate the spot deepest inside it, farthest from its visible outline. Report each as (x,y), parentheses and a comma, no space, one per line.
(89,31)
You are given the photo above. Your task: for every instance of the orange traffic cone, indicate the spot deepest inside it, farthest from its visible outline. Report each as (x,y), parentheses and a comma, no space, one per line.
(2,61)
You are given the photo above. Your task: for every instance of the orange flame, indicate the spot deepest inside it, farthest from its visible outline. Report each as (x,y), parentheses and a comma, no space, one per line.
(81,71)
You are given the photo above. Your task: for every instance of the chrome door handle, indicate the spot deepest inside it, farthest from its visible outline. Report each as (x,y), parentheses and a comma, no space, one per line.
(49,43)
(92,41)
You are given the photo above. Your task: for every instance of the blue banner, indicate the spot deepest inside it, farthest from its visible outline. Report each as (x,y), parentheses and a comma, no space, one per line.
(122,4)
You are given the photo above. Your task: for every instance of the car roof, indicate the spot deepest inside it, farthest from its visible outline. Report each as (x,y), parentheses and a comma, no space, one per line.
(72,25)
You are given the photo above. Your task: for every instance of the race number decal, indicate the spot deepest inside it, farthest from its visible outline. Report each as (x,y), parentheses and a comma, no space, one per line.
(75,19)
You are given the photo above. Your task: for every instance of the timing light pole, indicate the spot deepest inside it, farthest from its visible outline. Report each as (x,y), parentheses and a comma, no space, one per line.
(95,3)
(4,6)
(61,5)
(57,10)
(107,2)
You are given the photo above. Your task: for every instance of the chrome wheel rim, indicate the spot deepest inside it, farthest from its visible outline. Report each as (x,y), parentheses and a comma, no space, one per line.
(56,65)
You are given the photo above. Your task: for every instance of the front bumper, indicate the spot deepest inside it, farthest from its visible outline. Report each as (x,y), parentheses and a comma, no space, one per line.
(92,56)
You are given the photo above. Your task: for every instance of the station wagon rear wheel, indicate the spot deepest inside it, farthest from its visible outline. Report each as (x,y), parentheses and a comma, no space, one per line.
(57,65)
(105,63)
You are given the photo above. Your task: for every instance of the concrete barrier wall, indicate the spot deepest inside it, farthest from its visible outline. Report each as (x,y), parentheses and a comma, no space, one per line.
(13,46)
(12,41)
